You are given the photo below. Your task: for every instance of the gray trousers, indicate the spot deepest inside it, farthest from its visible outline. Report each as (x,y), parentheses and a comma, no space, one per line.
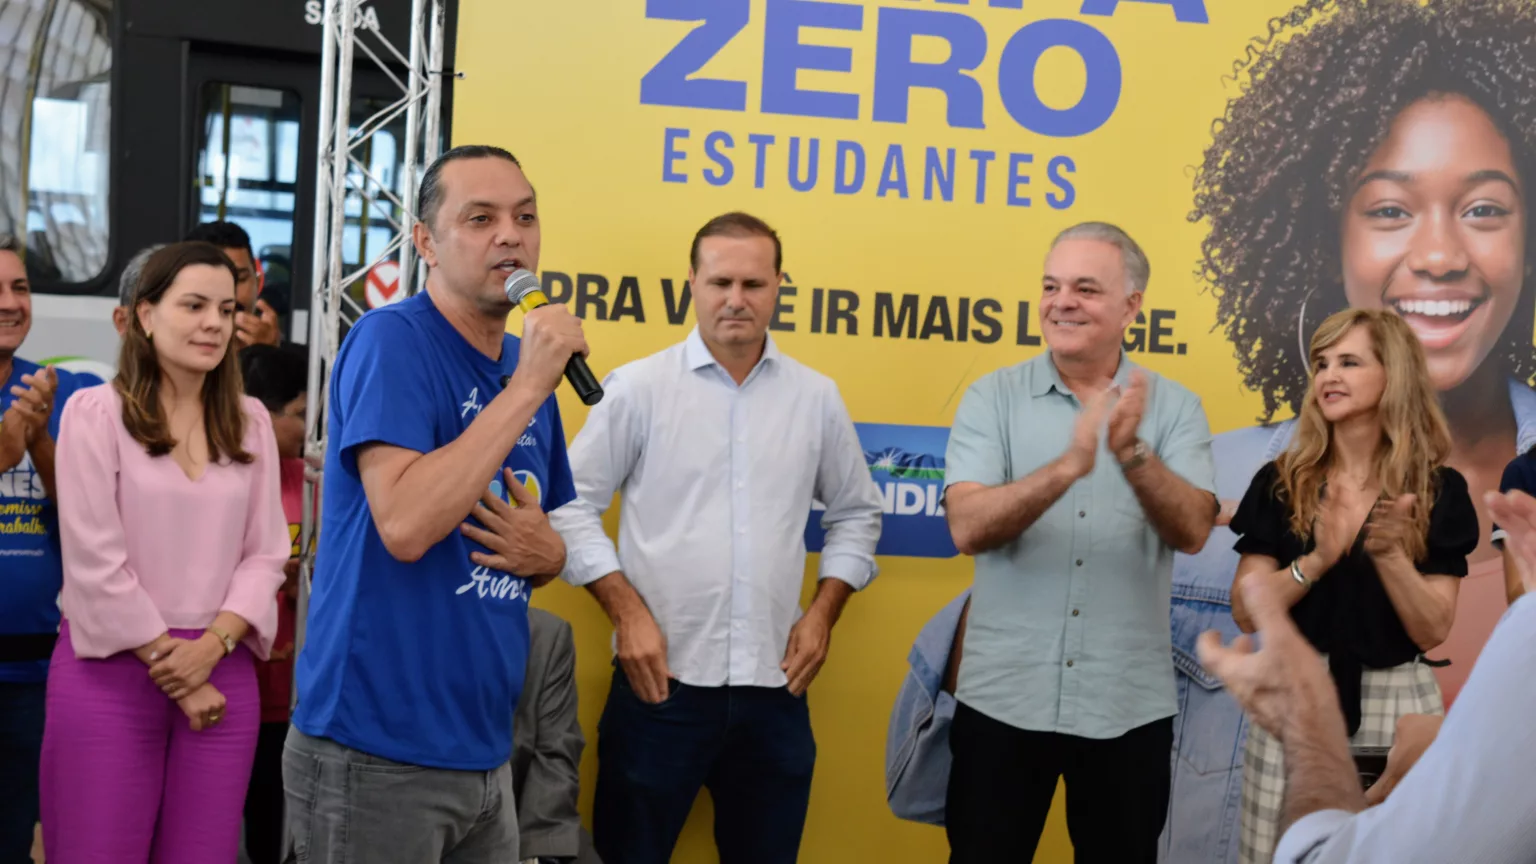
(348,807)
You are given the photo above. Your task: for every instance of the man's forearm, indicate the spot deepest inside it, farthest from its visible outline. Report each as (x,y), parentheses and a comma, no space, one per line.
(42,462)
(1514,583)
(617,596)
(991,517)
(436,492)
(13,444)
(1320,772)
(832,595)
(1180,513)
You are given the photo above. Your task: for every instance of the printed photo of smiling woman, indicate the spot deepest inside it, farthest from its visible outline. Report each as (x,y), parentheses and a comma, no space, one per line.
(1409,194)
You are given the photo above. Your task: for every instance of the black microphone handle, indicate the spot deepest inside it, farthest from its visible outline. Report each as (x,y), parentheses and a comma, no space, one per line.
(583,381)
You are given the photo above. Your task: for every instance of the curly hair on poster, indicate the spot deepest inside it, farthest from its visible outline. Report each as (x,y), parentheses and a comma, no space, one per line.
(1320,94)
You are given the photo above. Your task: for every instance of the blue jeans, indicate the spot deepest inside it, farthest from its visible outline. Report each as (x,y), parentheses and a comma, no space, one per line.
(751,746)
(21,747)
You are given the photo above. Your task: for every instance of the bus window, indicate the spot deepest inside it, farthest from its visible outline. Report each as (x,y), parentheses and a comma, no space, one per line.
(55,109)
(247,172)
(249,150)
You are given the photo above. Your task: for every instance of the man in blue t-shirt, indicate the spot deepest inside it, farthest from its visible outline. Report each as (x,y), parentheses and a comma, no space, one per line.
(31,570)
(445,450)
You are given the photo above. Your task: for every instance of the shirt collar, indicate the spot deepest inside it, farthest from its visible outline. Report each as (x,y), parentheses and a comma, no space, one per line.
(697,354)
(1048,378)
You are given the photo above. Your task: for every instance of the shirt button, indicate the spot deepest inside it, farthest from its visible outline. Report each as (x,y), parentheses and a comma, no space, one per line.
(1079,562)
(1074,613)
(741,484)
(1082,514)
(741,531)
(1069,664)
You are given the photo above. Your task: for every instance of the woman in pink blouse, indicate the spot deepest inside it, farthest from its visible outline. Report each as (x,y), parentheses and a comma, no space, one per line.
(173,540)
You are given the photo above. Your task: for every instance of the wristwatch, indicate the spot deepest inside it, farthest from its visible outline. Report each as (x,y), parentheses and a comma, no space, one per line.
(229,644)
(1138,456)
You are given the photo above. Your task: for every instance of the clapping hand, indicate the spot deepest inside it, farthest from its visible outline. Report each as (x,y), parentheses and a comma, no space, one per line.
(1332,535)
(1225,512)
(1389,527)
(1271,682)
(1125,419)
(34,401)
(1084,449)
(1515,512)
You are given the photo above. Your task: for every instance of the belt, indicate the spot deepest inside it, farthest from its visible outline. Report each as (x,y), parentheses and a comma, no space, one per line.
(21,647)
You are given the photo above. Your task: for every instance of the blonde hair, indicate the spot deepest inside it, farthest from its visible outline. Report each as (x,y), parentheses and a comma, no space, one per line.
(1415,440)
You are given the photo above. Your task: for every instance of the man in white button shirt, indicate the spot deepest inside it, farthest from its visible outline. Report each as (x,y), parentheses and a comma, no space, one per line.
(719,445)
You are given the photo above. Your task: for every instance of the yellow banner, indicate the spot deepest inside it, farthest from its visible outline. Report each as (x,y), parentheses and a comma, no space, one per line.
(917,158)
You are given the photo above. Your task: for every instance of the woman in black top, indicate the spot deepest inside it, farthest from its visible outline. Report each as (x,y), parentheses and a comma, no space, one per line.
(1367,532)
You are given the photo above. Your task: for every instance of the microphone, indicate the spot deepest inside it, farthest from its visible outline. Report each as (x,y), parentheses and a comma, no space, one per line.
(524,290)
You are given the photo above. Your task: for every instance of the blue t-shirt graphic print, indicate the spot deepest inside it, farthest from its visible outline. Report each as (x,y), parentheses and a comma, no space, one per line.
(31,562)
(418,662)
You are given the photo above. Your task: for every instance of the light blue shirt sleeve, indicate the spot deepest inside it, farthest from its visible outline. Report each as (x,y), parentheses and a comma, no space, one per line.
(604,453)
(853,501)
(1187,449)
(1470,797)
(978,439)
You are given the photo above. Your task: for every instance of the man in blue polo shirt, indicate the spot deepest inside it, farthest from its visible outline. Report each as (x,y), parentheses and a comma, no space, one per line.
(445,451)
(31,571)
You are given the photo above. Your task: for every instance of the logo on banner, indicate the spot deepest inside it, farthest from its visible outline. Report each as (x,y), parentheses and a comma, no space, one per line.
(907,464)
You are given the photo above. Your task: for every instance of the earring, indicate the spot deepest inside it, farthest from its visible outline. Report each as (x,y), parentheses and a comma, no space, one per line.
(1301,336)
(149,336)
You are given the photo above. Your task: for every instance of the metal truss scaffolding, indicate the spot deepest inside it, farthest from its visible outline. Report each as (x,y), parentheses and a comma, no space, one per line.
(340,173)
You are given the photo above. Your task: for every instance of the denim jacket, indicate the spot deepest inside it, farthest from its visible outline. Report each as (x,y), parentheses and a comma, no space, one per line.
(1206,779)
(1210,729)
(917,743)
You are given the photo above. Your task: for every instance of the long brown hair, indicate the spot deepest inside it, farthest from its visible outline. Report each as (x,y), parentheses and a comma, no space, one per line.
(139,374)
(1414,437)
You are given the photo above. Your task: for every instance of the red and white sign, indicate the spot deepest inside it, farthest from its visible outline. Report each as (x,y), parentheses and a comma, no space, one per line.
(383,285)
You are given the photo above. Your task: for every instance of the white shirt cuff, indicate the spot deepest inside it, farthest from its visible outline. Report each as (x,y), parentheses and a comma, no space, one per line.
(585,566)
(1306,838)
(853,569)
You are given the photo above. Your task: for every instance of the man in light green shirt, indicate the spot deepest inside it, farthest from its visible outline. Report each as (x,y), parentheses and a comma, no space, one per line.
(1072,479)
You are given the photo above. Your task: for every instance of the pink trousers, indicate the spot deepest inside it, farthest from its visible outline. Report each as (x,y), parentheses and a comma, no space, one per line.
(125,780)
